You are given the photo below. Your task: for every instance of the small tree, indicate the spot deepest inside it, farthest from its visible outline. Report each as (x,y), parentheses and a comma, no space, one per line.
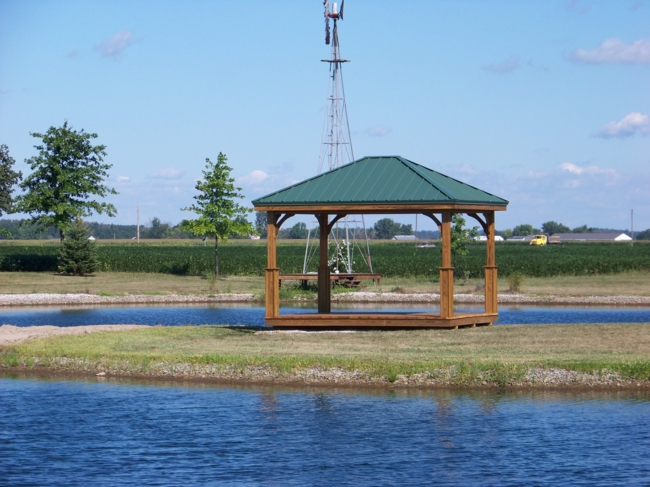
(78,255)
(215,205)
(460,236)
(261,220)
(68,171)
(8,179)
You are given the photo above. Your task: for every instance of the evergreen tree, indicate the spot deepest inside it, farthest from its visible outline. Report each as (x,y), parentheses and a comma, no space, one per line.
(78,255)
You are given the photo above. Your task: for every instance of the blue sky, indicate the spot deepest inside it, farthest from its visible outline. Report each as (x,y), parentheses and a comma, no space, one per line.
(544,103)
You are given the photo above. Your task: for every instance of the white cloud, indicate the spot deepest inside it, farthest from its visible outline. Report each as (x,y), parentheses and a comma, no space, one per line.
(615,51)
(378,131)
(254,178)
(466,169)
(590,171)
(168,173)
(505,66)
(631,124)
(536,174)
(122,179)
(115,46)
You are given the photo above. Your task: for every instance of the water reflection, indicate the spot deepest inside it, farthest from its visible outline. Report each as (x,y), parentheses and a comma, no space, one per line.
(244,314)
(86,432)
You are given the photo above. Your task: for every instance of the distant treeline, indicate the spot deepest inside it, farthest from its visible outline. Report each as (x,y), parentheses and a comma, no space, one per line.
(20,230)
(13,230)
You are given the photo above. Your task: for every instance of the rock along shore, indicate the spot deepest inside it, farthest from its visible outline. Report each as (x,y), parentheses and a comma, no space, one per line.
(534,378)
(50,299)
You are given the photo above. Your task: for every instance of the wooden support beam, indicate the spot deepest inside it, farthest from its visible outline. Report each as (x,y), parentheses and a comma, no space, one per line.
(324,284)
(480,220)
(446,270)
(333,222)
(434,218)
(491,290)
(272,272)
(283,219)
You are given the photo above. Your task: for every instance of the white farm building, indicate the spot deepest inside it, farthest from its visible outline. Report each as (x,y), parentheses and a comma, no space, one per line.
(593,237)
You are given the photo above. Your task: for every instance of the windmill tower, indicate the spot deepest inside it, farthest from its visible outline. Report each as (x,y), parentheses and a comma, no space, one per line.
(336,144)
(336,150)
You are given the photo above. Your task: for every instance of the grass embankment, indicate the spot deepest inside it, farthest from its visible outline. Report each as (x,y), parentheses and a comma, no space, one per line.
(126,283)
(502,355)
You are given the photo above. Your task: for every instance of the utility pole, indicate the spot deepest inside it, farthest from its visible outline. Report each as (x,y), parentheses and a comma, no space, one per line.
(137,230)
(632,227)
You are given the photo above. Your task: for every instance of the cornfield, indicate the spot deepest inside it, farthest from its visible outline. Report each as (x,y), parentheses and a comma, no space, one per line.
(388,259)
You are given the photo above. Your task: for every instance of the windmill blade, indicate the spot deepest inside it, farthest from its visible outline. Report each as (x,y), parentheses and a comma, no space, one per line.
(327,30)
(341,10)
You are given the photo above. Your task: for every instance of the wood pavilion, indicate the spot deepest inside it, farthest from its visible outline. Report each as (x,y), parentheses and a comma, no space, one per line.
(381,185)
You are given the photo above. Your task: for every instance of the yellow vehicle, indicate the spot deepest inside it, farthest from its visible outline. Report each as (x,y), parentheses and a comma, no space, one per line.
(541,239)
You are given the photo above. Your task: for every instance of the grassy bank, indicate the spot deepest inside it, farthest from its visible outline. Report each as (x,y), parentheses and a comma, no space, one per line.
(503,355)
(124,283)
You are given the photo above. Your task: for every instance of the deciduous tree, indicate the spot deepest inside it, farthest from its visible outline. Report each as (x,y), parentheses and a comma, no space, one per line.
(386,228)
(461,236)
(8,179)
(218,214)
(299,230)
(67,173)
(261,220)
(552,227)
(582,229)
(523,230)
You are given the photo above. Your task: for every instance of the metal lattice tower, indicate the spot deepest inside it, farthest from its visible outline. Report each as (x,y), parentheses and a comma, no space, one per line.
(336,143)
(336,150)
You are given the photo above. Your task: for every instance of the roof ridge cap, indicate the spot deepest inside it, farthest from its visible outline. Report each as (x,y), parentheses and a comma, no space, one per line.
(459,181)
(417,171)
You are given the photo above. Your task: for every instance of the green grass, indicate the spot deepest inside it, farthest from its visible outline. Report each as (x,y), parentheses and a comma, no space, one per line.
(498,355)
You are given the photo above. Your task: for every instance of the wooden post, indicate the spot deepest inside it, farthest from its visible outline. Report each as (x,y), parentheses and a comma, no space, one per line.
(272,273)
(446,271)
(490,266)
(324,283)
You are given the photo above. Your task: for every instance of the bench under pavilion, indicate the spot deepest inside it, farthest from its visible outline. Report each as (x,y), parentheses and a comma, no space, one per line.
(380,185)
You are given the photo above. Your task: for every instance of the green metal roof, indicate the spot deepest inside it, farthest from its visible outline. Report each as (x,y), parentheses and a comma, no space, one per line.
(380,180)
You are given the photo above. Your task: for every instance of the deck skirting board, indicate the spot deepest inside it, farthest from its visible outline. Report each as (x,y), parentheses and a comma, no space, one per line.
(380,320)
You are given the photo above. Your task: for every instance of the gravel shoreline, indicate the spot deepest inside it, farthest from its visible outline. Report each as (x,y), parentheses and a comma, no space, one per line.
(450,376)
(535,378)
(50,299)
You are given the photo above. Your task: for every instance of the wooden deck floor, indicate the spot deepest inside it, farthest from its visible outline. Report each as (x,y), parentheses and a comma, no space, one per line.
(379,320)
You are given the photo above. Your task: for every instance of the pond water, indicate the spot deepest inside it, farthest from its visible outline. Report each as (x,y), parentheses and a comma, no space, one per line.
(254,315)
(101,433)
